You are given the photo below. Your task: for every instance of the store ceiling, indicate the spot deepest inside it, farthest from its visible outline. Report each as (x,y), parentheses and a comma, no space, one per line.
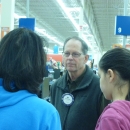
(98,20)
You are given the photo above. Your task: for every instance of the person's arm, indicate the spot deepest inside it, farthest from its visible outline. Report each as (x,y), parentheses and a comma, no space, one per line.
(108,124)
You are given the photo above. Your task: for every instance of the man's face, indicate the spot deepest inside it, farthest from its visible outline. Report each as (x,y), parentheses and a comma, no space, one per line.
(75,62)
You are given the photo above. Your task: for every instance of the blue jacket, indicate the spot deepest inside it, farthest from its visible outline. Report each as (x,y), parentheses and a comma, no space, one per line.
(25,111)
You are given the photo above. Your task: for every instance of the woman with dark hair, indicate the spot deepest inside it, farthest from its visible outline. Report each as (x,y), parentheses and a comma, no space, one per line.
(22,67)
(114,73)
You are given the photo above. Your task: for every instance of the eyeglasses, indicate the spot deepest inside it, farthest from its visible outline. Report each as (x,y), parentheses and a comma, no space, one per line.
(74,54)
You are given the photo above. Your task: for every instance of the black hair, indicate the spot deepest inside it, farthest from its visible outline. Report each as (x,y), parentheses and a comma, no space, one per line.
(117,59)
(22,60)
(84,45)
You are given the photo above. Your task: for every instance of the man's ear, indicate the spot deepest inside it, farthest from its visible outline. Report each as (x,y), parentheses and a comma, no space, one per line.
(86,58)
(111,75)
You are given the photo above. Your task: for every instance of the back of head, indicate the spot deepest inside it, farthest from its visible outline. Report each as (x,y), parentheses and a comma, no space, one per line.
(84,45)
(22,60)
(117,59)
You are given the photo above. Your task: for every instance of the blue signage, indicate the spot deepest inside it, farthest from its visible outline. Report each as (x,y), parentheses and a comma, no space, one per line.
(28,23)
(56,49)
(90,57)
(122,25)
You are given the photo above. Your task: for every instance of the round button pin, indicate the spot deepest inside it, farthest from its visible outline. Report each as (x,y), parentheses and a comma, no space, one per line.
(67,99)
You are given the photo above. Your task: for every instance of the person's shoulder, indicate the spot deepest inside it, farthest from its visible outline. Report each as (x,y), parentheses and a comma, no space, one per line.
(109,112)
(109,120)
(40,109)
(39,104)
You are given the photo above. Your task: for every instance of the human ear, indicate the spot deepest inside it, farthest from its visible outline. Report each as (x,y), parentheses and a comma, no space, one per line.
(111,75)
(86,58)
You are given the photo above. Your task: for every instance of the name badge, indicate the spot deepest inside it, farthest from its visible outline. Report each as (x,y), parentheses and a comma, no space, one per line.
(67,99)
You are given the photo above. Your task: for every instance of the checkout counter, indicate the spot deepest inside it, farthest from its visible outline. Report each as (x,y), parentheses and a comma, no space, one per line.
(53,75)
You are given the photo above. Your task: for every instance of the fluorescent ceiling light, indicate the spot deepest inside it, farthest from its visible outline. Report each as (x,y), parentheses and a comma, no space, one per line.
(73,9)
(43,32)
(48,50)
(67,13)
(72,20)
(88,43)
(17,16)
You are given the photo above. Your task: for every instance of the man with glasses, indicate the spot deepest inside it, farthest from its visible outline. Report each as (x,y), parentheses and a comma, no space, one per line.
(77,95)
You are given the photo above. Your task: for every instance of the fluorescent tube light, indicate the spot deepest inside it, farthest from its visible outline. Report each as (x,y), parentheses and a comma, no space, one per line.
(60,2)
(48,36)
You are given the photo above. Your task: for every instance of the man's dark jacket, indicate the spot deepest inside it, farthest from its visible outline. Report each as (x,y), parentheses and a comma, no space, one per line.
(84,112)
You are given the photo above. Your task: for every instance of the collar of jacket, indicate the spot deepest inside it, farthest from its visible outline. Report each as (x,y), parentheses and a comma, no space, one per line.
(83,84)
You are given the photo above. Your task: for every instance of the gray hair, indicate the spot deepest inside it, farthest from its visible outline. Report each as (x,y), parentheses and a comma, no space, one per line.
(84,45)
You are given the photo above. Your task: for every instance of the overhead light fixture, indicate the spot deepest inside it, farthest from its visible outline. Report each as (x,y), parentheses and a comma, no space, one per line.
(17,16)
(41,31)
(60,2)
(48,36)
(48,50)
(88,43)
(67,13)
(73,9)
